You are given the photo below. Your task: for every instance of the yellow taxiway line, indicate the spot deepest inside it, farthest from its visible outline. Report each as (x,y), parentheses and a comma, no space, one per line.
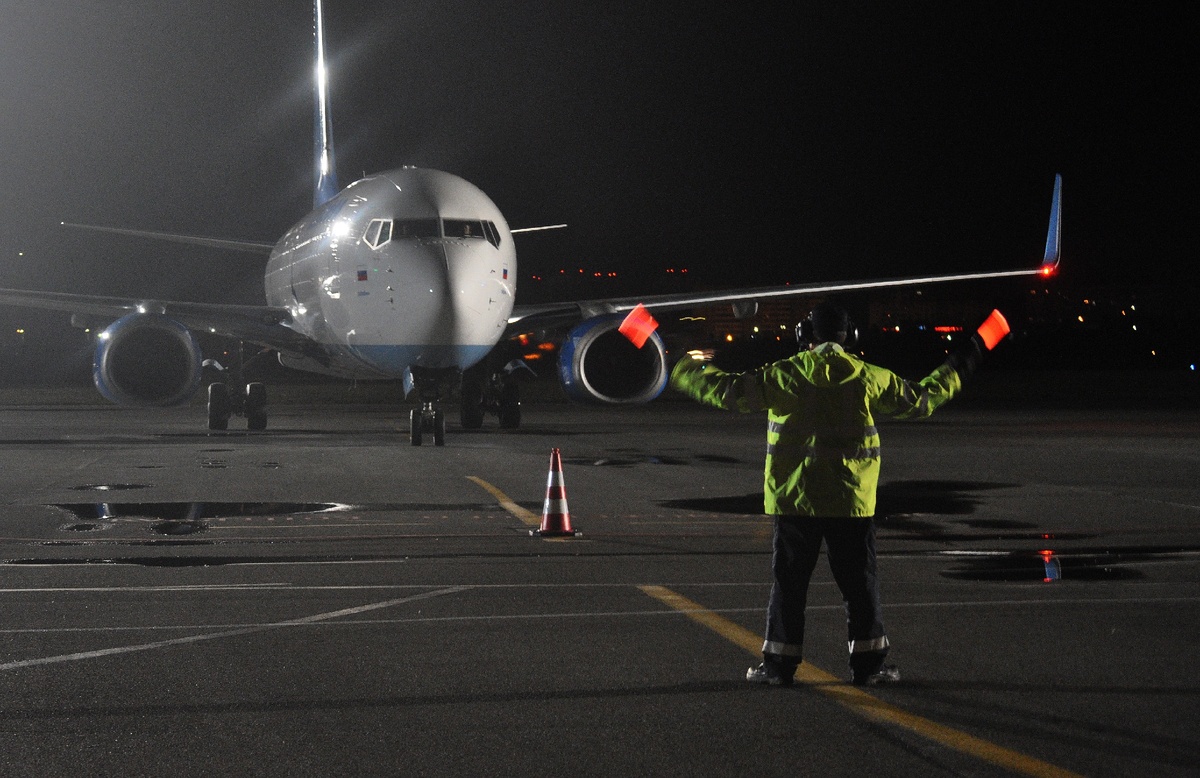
(859,701)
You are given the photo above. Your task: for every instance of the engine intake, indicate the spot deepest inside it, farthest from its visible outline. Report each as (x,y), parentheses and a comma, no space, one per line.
(599,364)
(146,359)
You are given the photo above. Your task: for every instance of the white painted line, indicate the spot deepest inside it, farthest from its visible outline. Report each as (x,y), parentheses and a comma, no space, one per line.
(362,622)
(239,629)
(76,657)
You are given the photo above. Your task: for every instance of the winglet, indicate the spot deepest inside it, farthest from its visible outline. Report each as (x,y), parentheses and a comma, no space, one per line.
(1054,234)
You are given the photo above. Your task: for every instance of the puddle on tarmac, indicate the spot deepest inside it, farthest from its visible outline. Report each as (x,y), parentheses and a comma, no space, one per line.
(86,527)
(191,512)
(177,527)
(174,519)
(108,487)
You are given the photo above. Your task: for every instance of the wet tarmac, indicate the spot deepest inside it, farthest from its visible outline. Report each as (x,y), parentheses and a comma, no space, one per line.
(322,598)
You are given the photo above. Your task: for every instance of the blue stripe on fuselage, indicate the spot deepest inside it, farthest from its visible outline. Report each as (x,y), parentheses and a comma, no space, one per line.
(396,360)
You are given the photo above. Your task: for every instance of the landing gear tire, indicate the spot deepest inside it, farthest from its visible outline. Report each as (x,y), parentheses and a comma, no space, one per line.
(256,406)
(220,408)
(415,421)
(427,419)
(510,406)
(439,428)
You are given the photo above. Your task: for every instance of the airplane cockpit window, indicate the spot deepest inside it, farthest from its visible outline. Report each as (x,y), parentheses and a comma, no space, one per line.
(493,234)
(463,228)
(471,228)
(416,228)
(379,232)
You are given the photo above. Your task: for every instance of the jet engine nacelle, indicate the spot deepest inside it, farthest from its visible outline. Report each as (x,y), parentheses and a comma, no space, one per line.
(599,364)
(147,359)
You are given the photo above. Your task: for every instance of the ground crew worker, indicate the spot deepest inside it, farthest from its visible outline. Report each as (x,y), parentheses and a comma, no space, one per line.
(822,471)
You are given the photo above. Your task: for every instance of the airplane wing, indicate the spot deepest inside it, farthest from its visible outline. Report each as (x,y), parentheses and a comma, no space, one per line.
(560,314)
(254,247)
(261,324)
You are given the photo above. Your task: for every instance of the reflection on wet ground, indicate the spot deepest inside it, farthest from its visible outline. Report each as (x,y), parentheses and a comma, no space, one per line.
(193,511)
(1048,566)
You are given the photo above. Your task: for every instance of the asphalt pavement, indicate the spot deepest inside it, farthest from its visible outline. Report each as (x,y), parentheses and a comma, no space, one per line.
(324,598)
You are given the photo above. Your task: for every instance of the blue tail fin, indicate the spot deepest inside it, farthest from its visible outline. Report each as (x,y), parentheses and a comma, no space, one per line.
(1054,234)
(325,184)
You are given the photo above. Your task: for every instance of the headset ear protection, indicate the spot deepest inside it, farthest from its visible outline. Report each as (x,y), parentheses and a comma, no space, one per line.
(804,333)
(806,337)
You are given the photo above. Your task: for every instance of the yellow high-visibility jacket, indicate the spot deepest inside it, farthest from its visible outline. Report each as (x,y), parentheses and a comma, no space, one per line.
(822,442)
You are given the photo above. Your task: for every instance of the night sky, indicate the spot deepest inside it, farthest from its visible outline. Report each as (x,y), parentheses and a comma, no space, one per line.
(751,144)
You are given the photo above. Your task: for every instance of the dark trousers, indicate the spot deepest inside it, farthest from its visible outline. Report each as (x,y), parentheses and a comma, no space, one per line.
(850,543)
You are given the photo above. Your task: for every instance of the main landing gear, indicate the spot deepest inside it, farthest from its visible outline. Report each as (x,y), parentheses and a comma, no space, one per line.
(483,391)
(248,400)
(497,393)
(251,402)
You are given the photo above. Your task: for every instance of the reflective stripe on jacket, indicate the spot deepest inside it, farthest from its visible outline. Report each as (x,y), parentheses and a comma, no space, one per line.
(822,442)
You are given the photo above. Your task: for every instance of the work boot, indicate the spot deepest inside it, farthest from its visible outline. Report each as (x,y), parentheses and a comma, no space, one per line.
(770,675)
(884,676)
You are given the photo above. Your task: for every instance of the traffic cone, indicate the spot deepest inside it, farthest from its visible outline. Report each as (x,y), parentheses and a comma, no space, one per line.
(556,519)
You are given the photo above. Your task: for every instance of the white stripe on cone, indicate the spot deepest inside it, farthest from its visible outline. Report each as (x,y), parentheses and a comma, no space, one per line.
(556,517)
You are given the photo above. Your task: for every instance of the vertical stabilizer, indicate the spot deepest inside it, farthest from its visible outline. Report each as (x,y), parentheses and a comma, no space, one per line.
(1054,234)
(325,184)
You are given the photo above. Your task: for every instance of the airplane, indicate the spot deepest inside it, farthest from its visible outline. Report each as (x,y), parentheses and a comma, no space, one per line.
(409,274)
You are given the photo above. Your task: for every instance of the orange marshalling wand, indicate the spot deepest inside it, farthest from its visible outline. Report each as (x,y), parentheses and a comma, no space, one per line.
(638,326)
(993,329)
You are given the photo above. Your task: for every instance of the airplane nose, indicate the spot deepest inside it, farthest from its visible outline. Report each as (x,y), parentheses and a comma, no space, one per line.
(420,292)
(481,291)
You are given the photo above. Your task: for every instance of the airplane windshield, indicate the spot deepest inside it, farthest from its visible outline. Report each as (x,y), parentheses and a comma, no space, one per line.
(472,228)
(463,228)
(416,228)
(382,231)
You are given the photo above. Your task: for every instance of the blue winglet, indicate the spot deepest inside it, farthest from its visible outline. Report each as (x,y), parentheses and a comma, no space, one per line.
(1054,234)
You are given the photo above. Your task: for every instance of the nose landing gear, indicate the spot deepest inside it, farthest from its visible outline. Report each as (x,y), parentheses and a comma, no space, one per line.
(427,418)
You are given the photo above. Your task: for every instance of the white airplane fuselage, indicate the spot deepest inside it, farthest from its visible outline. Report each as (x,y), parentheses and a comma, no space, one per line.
(406,269)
